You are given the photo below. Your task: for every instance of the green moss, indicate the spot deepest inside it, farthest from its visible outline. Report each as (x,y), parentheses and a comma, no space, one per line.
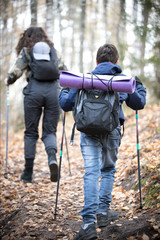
(157,129)
(151,200)
(143,183)
(152,187)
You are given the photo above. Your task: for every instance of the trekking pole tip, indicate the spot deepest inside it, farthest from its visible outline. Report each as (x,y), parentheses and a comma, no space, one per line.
(55,214)
(5,175)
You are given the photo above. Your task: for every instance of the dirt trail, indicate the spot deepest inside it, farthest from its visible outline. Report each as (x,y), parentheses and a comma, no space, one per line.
(27,210)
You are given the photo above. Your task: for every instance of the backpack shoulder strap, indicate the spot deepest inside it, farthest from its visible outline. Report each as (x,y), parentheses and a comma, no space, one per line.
(74,112)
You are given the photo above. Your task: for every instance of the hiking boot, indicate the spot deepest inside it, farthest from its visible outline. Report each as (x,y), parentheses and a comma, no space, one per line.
(52,162)
(26,176)
(53,171)
(86,232)
(104,219)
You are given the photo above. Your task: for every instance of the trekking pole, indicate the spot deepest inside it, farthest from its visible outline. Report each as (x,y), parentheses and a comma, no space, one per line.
(59,169)
(5,175)
(67,154)
(139,174)
(72,135)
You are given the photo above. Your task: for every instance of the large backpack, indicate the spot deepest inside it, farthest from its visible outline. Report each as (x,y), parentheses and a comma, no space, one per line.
(96,111)
(43,70)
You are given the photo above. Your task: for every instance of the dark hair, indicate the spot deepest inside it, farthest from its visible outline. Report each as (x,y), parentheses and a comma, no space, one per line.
(107,53)
(31,36)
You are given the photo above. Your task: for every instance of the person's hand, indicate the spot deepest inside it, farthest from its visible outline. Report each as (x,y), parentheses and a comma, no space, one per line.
(138,81)
(6,82)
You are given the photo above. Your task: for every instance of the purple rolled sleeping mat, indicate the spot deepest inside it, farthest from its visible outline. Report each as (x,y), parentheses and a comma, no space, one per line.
(116,83)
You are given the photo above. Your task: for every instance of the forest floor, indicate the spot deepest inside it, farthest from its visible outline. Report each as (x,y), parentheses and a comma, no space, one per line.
(27,209)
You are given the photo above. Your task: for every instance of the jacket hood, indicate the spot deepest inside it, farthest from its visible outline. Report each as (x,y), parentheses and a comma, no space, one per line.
(107,68)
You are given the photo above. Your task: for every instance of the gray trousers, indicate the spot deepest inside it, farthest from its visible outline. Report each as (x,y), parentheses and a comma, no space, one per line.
(40,99)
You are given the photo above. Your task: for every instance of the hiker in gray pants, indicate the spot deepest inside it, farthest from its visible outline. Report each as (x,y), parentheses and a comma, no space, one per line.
(37,57)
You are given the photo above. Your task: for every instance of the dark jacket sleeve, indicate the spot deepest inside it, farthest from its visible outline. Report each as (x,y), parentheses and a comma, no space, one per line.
(137,100)
(67,98)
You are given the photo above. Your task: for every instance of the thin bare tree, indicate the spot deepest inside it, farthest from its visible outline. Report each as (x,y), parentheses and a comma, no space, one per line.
(49,23)
(33,8)
(82,33)
(146,8)
(121,32)
(105,3)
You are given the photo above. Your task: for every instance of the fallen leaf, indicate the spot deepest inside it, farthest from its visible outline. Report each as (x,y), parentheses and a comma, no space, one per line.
(145,237)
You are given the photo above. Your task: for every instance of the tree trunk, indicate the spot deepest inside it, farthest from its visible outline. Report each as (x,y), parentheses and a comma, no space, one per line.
(33,7)
(157,69)
(135,8)
(121,32)
(94,10)
(82,33)
(59,9)
(49,26)
(72,15)
(105,3)
(4,47)
(146,7)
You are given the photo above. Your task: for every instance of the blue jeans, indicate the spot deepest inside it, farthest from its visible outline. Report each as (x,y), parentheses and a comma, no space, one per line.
(100,156)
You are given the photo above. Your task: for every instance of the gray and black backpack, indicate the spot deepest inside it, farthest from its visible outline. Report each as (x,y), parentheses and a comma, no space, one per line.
(43,70)
(96,112)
